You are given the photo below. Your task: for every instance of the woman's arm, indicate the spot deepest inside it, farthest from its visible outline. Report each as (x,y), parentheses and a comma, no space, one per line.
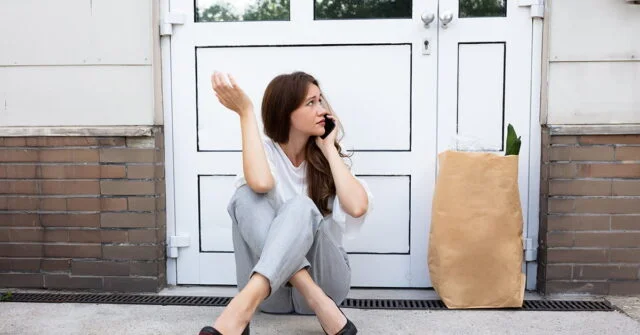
(353,197)
(254,160)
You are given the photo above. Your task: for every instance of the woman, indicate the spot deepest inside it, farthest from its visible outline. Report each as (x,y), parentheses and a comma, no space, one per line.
(293,202)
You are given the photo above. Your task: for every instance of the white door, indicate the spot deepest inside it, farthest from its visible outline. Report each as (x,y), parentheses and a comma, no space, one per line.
(386,85)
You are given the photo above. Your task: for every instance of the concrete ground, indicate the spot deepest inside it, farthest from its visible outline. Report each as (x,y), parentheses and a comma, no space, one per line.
(29,318)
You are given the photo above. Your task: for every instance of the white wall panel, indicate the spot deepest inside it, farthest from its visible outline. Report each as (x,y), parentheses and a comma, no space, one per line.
(594,93)
(75,32)
(594,30)
(76,95)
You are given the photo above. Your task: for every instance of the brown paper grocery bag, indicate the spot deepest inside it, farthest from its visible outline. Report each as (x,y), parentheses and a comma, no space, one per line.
(475,244)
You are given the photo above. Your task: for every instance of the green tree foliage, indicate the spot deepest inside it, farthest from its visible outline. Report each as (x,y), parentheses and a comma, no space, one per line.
(480,8)
(354,9)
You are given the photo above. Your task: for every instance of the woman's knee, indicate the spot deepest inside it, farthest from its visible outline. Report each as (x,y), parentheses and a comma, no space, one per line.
(245,199)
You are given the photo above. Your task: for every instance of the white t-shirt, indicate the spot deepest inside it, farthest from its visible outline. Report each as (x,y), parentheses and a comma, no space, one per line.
(291,181)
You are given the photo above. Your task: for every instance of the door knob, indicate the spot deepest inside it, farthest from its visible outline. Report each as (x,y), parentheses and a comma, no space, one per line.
(446,18)
(427,18)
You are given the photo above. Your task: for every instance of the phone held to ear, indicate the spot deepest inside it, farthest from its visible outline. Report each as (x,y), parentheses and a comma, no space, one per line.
(329,125)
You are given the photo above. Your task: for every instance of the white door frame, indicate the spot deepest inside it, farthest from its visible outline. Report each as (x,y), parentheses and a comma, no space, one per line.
(534,149)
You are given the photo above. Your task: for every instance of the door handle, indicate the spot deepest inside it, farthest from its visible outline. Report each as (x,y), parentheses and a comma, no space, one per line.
(427,18)
(445,18)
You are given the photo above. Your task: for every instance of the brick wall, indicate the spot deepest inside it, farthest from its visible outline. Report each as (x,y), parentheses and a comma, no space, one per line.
(590,227)
(82,213)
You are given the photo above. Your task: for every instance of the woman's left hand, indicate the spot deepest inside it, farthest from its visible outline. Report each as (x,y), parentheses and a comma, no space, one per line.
(328,142)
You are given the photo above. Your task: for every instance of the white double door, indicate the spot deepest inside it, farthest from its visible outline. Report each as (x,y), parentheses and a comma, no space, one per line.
(403,91)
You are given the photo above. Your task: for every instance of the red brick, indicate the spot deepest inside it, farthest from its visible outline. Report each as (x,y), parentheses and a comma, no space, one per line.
(13,142)
(577,255)
(70,220)
(70,171)
(21,264)
(114,236)
(69,155)
(564,139)
(53,204)
(605,272)
(621,170)
(144,269)
(21,280)
(607,205)
(113,204)
(628,153)
(83,204)
(142,236)
(63,281)
(560,205)
(142,204)
(127,220)
(559,271)
(606,239)
(159,173)
(626,222)
(574,153)
(560,239)
(141,171)
(56,265)
(15,187)
(18,155)
(626,188)
(75,187)
(563,170)
(128,284)
(18,203)
(116,187)
(100,268)
(5,235)
(625,256)
(73,250)
(85,236)
(20,250)
(609,139)
(26,235)
(111,141)
(141,252)
(161,203)
(62,141)
(112,171)
(625,288)
(580,187)
(592,287)
(56,235)
(19,220)
(127,155)
(18,171)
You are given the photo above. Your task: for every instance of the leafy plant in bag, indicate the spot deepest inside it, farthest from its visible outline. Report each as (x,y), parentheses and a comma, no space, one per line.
(513,142)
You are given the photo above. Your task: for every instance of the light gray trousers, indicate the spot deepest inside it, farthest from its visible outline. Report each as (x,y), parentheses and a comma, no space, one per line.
(278,242)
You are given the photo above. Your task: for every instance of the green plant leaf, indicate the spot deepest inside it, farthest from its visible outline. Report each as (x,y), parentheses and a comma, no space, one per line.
(513,142)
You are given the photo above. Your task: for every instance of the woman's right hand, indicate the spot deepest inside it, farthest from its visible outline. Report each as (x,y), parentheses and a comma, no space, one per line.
(231,95)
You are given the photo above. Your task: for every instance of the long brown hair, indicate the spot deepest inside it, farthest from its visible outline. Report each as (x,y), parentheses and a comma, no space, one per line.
(284,94)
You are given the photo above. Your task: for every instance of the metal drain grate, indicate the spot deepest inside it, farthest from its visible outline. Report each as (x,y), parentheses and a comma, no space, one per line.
(393,304)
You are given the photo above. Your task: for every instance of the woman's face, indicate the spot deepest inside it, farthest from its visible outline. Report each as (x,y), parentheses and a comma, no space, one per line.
(308,119)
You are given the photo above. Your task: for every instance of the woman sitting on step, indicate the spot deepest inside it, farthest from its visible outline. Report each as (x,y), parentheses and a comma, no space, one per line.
(293,203)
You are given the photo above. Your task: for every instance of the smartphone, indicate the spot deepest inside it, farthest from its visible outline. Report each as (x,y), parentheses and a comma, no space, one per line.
(329,125)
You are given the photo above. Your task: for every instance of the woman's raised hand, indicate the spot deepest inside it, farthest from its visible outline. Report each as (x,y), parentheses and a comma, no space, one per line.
(230,94)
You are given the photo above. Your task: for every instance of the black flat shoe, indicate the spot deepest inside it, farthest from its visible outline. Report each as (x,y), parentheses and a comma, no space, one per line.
(348,329)
(208,330)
